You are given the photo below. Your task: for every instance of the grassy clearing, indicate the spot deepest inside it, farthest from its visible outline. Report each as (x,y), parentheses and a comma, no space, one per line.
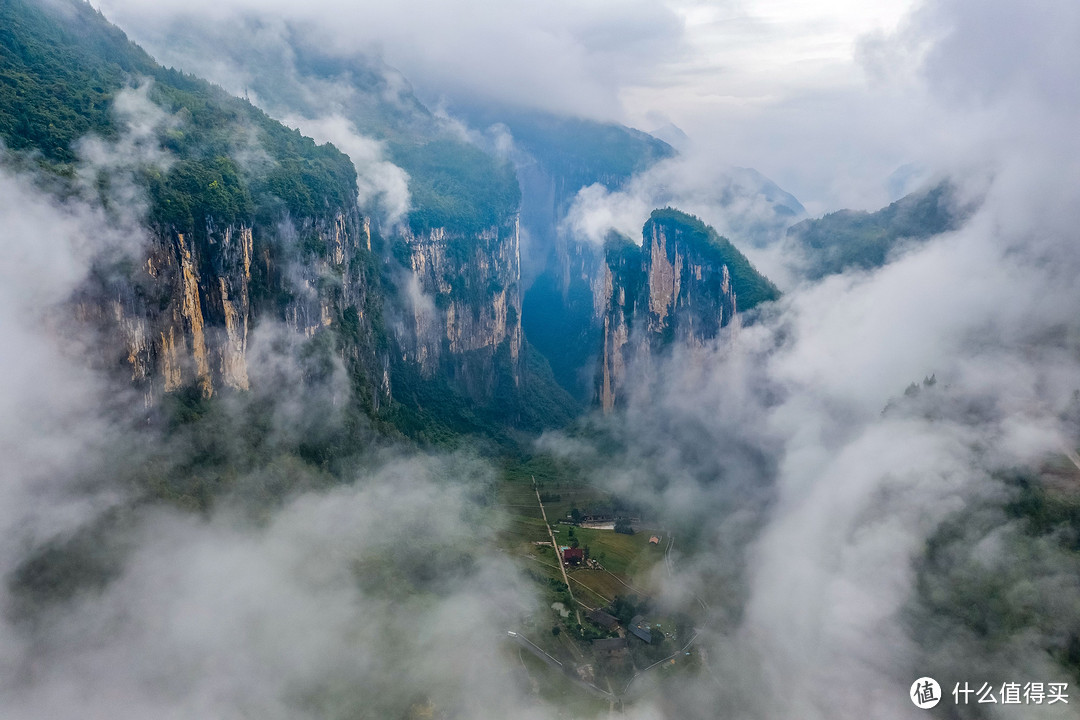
(629,555)
(555,690)
(600,584)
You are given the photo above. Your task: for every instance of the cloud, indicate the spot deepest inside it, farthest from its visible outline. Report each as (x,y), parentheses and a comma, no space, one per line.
(805,489)
(55,430)
(573,56)
(368,598)
(52,421)
(376,595)
(743,205)
(381,185)
(846,532)
(48,398)
(294,593)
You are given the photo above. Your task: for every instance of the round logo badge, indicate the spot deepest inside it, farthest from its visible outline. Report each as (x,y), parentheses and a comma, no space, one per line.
(925,693)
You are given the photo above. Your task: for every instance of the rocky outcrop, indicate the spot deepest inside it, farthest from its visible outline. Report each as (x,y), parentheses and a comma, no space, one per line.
(464,305)
(682,285)
(621,277)
(184,318)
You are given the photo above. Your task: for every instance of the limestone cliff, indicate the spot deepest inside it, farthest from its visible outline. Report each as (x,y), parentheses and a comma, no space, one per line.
(252,225)
(556,157)
(464,305)
(682,285)
(184,318)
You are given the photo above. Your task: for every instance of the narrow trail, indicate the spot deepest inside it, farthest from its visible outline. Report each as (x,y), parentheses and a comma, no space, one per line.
(583,586)
(555,546)
(627,585)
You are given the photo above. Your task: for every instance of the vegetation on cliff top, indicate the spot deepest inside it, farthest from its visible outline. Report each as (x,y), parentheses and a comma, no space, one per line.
(452,183)
(61,67)
(457,186)
(751,287)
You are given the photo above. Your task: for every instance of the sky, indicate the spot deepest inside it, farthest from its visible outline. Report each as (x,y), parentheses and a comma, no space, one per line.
(777,85)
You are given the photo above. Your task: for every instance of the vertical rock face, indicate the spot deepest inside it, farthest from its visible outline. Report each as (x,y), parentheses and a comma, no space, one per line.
(677,287)
(556,159)
(616,317)
(690,296)
(466,305)
(184,318)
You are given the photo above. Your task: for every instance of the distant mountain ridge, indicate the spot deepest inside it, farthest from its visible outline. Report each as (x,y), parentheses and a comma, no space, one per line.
(858,240)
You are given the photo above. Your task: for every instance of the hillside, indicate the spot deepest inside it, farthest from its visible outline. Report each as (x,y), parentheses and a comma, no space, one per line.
(859,240)
(253,223)
(62,64)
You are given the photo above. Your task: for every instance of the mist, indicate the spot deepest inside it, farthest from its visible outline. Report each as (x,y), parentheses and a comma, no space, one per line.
(294,595)
(293,592)
(874,499)
(837,471)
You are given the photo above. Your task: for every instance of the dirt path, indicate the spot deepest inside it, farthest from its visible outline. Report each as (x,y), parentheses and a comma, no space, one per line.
(538,561)
(640,593)
(555,545)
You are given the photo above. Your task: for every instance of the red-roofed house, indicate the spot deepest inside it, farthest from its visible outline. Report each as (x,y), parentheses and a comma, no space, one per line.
(573,556)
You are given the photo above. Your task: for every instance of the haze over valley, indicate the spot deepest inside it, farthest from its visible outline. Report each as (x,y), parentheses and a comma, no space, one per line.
(588,360)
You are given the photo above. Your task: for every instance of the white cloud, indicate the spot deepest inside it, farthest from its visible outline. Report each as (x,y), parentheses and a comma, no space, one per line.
(381,184)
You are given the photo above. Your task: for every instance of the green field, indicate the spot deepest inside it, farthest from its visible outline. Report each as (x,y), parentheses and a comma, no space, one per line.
(628,563)
(629,555)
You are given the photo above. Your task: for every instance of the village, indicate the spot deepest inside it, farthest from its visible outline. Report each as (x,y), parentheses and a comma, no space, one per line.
(602,561)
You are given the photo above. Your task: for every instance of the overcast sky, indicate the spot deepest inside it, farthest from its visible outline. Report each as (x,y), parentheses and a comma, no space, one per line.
(793,89)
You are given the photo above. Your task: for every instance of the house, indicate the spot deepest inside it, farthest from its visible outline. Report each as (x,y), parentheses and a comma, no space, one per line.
(654,540)
(640,629)
(603,619)
(573,556)
(599,514)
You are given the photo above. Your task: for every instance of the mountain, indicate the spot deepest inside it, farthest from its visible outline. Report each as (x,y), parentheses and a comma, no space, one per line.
(555,158)
(459,188)
(458,325)
(226,234)
(745,185)
(673,135)
(250,222)
(859,240)
(682,285)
